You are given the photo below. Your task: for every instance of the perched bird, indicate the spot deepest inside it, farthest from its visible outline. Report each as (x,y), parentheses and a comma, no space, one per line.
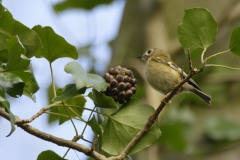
(163,74)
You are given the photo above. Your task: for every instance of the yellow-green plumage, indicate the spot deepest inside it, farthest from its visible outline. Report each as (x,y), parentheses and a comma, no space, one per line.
(163,75)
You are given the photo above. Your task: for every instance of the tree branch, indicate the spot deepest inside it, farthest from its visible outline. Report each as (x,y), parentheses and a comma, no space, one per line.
(56,140)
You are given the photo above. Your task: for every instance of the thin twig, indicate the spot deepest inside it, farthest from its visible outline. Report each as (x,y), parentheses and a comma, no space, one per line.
(33,117)
(40,112)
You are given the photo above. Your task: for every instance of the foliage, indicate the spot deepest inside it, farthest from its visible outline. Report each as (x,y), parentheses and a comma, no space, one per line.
(198,31)
(83,4)
(18,44)
(49,155)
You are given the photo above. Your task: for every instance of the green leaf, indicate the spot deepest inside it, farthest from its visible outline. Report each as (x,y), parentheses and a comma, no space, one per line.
(18,43)
(75,110)
(9,28)
(100,117)
(15,50)
(84,79)
(197,30)
(49,155)
(125,124)
(77,101)
(83,4)
(18,65)
(96,128)
(31,85)
(234,45)
(54,46)
(101,100)
(11,84)
(68,92)
(6,105)
(221,129)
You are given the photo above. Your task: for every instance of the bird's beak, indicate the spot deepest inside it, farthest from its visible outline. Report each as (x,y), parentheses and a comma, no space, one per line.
(139,57)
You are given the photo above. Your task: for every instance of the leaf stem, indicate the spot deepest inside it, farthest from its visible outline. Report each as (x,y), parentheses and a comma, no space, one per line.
(89,110)
(53,83)
(77,114)
(217,65)
(87,121)
(64,116)
(75,128)
(216,54)
(202,56)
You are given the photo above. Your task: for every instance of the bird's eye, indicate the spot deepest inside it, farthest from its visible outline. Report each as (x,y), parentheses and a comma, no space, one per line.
(149,51)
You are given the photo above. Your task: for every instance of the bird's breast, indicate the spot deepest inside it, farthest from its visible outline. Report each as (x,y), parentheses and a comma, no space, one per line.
(161,77)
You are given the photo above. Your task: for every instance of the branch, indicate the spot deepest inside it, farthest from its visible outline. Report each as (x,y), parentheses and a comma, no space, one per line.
(39,113)
(48,137)
(153,118)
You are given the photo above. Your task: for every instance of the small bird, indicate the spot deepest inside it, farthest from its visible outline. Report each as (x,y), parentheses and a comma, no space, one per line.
(163,74)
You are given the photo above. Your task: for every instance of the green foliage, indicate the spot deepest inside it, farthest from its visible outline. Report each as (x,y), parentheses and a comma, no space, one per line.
(97,129)
(84,79)
(72,106)
(11,84)
(83,4)
(176,120)
(234,45)
(18,66)
(222,129)
(68,92)
(171,139)
(18,43)
(123,125)
(50,155)
(10,28)
(6,105)
(198,31)
(101,100)
(79,102)
(15,50)
(54,46)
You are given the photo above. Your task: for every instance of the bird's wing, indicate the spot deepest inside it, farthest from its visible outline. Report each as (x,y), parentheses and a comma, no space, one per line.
(179,70)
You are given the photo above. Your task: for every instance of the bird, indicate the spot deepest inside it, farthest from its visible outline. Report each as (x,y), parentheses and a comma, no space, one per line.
(163,74)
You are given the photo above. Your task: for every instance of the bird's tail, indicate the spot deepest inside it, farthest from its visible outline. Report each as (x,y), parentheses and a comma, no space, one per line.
(207,98)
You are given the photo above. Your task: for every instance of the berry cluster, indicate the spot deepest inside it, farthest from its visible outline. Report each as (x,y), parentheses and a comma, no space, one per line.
(121,84)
